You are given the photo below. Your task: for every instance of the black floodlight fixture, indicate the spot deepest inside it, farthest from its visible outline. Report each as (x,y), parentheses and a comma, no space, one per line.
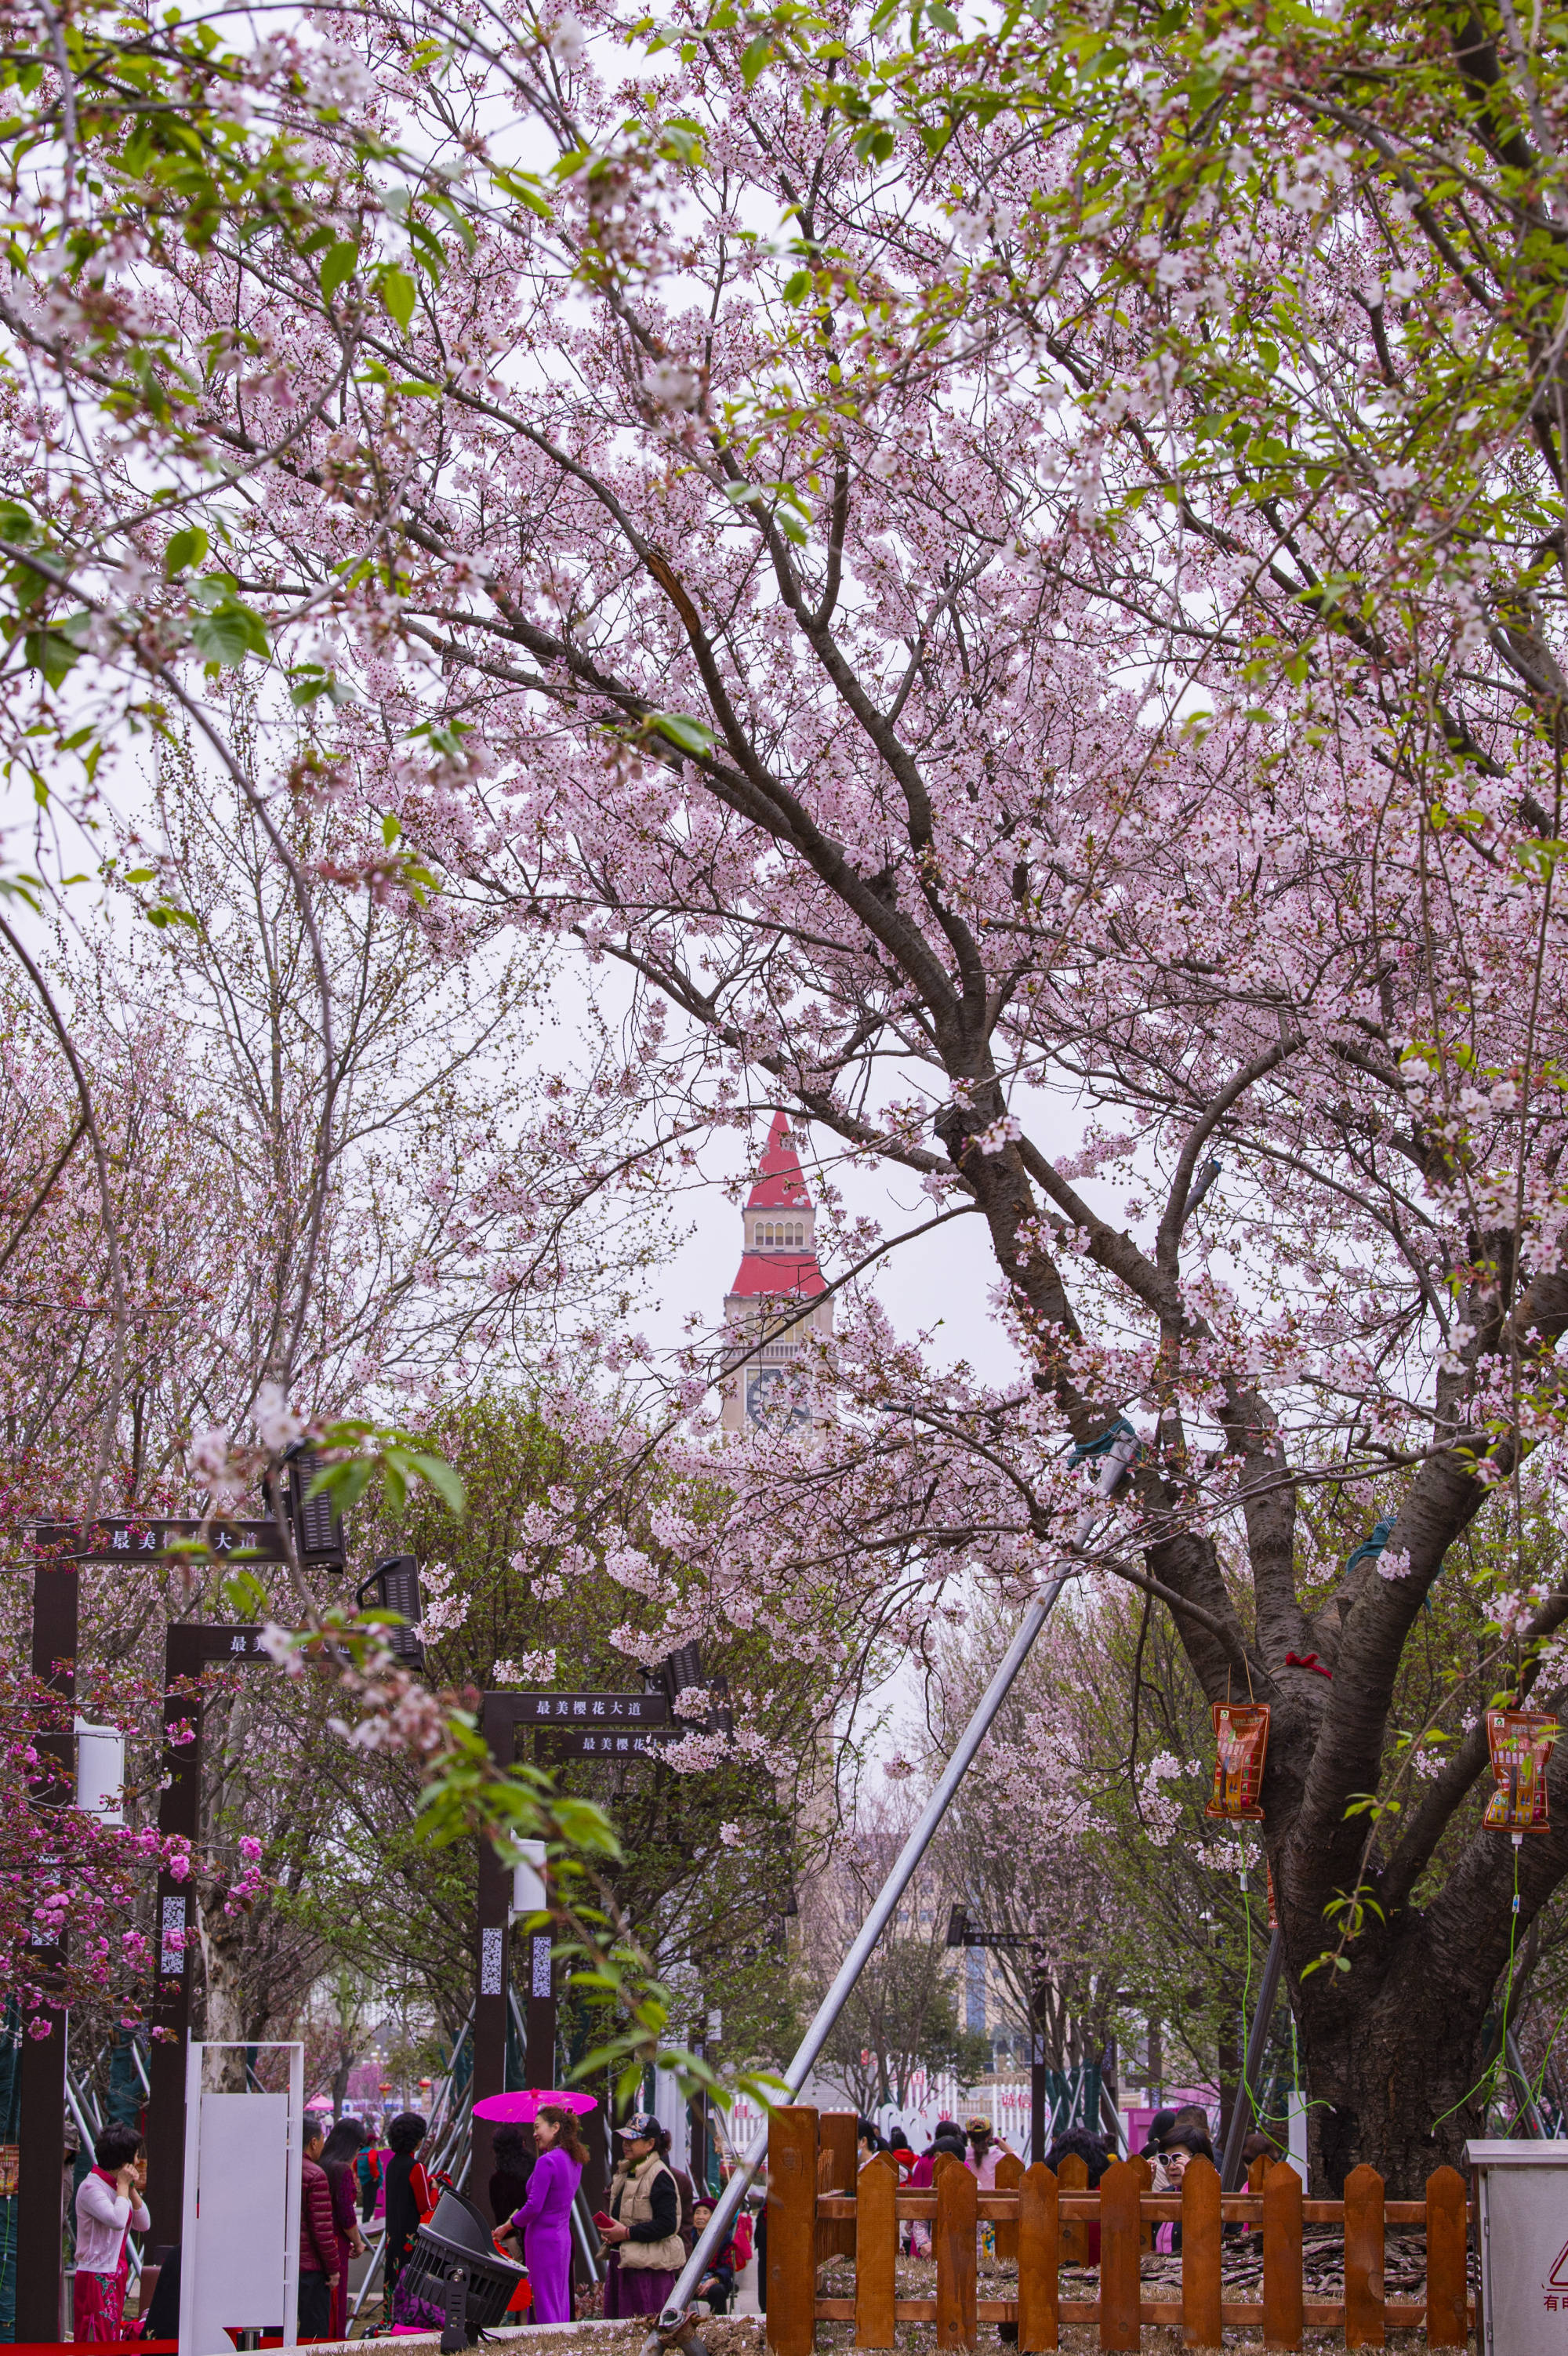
(393,1586)
(317,1525)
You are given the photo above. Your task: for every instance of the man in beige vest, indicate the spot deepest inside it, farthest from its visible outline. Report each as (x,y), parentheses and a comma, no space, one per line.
(642,2233)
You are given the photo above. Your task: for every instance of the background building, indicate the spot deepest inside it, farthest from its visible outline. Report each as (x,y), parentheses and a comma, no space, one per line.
(776,1300)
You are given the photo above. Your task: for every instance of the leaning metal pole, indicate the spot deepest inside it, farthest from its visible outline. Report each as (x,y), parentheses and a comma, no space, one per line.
(1251,2068)
(716,2231)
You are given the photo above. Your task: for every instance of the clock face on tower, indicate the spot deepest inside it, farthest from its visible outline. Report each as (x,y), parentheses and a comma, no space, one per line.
(768,1400)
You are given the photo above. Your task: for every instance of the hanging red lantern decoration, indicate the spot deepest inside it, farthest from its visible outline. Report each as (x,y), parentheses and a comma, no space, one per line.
(1520,1743)
(1241,1739)
(1274,1902)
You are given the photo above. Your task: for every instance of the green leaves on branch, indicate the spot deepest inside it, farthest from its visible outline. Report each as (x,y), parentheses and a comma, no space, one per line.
(56,650)
(359,1451)
(227,629)
(311,680)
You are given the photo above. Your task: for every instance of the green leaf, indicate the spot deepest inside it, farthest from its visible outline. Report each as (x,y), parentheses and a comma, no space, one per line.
(229,634)
(51,652)
(338,266)
(521,186)
(396,290)
(692,736)
(756,56)
(187,547)
(245,1595)
(443,1478)
(391,827)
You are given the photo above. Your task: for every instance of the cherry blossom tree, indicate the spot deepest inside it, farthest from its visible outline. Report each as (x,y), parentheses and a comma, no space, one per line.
(287,1250)
(764,559)
(1005,596)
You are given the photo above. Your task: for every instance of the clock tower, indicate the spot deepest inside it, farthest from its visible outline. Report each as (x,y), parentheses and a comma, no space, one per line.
(775,1302)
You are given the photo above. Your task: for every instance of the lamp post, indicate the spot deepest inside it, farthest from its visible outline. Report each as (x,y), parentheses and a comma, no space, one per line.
(41,2123)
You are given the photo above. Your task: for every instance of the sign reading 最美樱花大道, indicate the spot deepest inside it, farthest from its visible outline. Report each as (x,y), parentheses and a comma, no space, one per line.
(593,1742)
(585,1710)
(135,1540)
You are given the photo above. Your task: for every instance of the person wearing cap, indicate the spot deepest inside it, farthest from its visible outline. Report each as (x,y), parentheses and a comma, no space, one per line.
(644,2231)
(984,2151)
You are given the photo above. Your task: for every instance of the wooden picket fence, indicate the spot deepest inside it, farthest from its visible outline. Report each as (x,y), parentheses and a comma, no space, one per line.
(819,2208)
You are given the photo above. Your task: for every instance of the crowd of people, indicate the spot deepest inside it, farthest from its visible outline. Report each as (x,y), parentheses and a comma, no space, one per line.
(1175,2139)
(648,2229)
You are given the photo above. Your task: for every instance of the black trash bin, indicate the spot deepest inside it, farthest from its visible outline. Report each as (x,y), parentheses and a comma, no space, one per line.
(455,2265)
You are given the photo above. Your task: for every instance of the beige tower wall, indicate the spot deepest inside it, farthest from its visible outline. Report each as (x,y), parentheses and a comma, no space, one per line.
(743,1323)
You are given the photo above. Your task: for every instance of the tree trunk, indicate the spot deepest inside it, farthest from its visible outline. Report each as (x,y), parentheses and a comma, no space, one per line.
(1227,2062)
(224,2019)
(1392,2053)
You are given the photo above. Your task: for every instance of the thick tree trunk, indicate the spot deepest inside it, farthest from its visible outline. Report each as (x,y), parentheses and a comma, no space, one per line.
(1392,2052)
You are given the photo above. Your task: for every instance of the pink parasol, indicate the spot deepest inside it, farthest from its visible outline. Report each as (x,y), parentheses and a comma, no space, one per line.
(519,2108)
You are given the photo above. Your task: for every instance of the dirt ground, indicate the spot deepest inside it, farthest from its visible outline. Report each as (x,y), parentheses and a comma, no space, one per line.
(745,2335)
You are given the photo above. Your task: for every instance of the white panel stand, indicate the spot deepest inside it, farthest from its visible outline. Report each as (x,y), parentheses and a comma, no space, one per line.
(670,2110)
(1296,2129)
(240,2234)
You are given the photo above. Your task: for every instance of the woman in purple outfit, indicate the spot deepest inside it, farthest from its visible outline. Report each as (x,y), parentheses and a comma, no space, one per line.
(544,2223)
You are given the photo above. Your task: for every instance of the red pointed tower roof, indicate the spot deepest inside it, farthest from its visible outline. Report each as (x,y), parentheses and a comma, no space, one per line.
(781,1181)
(780,1185)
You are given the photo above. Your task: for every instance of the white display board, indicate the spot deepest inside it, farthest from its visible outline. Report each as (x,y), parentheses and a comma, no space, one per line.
(1523,2225)
(670,2110)
(101,1771)
(1295,2115)
(240,2234)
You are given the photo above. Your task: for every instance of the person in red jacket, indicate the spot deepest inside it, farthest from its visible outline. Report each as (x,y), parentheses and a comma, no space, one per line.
(317,2240)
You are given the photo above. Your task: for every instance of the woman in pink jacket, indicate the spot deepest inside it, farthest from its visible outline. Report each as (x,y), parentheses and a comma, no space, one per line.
(108,2203)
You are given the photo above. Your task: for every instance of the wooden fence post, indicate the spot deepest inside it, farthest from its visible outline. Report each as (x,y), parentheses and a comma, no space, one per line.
(1200,2246)
(957,2195)
(875,2252)
(1145,2184)
(792,2229)
(1447,2236)
(838,2138)
(1118,2222)
(1364,2258)
(1009,2176)
(1282,2297)
(1072,2176)
(1038,2244)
